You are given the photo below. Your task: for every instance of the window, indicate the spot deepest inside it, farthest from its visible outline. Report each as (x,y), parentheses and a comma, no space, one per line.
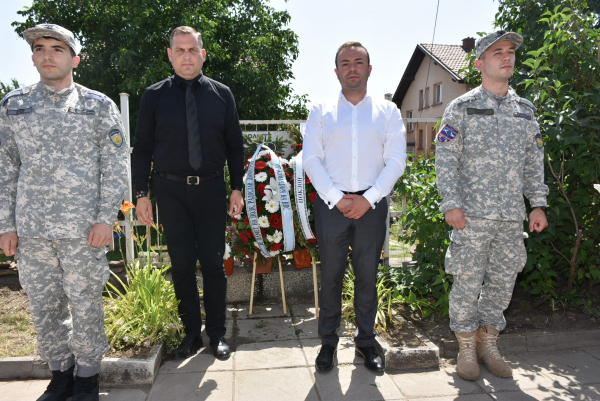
(410,150)
(420,139)
(420,100)
(410,126)
(433,138)
(438,94)
(426,102)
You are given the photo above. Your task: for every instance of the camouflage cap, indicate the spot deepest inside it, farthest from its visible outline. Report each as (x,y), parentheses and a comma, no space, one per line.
(50,30)
(485,42)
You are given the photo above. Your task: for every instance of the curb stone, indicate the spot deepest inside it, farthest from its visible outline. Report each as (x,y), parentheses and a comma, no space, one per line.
(535,341)
(117,372)
(400,358)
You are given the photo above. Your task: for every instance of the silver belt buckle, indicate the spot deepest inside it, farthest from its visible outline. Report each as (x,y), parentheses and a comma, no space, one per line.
(193,176)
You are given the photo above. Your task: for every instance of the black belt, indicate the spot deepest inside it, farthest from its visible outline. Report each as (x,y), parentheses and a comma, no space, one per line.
(191,179)
(357,192)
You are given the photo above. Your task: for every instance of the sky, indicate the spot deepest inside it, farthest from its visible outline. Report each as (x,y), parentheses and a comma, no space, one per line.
(389,29)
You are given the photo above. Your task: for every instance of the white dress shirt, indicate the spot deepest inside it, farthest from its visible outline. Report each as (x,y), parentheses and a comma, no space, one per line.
(351,148)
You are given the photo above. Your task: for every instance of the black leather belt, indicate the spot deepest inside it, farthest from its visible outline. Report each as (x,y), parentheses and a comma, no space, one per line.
(191,179)
(357,192)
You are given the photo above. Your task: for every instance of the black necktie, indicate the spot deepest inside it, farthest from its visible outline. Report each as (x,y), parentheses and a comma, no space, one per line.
(193,130)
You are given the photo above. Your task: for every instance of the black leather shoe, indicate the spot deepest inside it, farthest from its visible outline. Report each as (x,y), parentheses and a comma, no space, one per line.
(60,387)
(326,358)
(220,348)
(372,359)
(188,347)
(86,389)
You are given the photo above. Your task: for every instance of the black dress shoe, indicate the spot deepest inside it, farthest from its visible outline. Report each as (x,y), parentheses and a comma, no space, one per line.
(86,389)
(372,359)
(220,348)
(60,387)
(188,347)
(325,359)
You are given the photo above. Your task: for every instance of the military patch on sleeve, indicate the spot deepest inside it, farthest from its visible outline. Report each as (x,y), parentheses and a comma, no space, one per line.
(116,137)
(538,139)
(447,134)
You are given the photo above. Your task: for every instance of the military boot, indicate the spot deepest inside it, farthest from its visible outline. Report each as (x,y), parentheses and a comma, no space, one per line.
(466,363)
(488,354)
(86,389)
(60,387)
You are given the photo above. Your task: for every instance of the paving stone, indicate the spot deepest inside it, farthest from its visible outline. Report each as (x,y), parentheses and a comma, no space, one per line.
(552,394)
(27,390)
(114,394)
(217,386)
(261,311)
(269,355)
(433,383)
(275,384)
(568,368)
(309,328)
(351,383)
(525,377)
(587,392)
(466,397)
(594,351)
(345,351)
(201,362)
(303,310)
(267,329)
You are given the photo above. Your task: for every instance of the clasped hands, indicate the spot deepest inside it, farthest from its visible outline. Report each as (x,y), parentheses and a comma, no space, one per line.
(353,206)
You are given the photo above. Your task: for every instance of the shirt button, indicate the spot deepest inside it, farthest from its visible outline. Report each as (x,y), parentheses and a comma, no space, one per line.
(354,175)
(354,157)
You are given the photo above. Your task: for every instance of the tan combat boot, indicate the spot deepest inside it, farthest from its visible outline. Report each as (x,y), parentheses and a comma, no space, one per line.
(488,354)
(466,363)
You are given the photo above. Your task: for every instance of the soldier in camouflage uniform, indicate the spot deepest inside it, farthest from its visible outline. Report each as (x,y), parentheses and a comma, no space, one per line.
(63,159)
(489,154)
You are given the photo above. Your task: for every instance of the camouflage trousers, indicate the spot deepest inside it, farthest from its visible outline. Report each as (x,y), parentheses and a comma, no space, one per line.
(57,274)
(484,258)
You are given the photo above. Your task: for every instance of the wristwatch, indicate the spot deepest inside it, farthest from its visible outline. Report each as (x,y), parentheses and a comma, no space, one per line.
(141,194)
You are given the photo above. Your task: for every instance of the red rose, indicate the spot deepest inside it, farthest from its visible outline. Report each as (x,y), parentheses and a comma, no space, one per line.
(260,165)
(244,238)
(261,189)
(272,173)
(246,220)
(307,180)
(312,241)
(275,220)
(262,232)
(276,247)
(268,156)
(312,196)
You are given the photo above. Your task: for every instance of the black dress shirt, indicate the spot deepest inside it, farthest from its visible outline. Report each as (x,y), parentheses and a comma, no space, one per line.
(162,131)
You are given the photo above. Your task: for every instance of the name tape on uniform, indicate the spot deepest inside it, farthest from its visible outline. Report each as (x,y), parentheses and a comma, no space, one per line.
(447,134)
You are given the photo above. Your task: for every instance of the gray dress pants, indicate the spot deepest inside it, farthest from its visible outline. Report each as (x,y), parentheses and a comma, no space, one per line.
(335,233)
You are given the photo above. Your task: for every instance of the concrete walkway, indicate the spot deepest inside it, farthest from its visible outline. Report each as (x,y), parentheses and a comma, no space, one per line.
(274,360)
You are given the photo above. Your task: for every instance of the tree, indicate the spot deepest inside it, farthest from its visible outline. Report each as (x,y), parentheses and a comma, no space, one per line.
(124,47)
(5,88)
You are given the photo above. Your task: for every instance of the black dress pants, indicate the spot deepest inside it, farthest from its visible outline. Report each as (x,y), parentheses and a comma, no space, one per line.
(194,219)
(366,237)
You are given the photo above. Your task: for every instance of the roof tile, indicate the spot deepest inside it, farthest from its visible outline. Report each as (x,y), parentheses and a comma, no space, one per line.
(452,56)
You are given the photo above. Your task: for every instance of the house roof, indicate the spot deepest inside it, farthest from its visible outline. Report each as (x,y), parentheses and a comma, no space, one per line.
(451,58)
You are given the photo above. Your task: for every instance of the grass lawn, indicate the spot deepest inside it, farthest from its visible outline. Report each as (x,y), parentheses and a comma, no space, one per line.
(17,334)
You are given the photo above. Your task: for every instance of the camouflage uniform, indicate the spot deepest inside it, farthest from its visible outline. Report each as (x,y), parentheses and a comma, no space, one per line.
(489,154)
(64,166)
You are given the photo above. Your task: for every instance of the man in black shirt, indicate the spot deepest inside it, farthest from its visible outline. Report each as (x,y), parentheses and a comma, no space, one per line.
(188,126)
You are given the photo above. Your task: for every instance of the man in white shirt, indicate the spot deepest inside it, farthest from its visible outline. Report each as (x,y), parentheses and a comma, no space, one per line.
(354,152)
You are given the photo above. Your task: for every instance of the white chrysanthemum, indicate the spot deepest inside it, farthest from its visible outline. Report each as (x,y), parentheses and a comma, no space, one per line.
(269,238)
(261,177)
(274,253)
(263,221)
(277,237)
(272,206)
(270,164)
(237,216)
(227,253)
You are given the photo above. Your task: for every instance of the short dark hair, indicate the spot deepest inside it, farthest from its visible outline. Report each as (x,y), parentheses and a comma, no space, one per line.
(73,54)
(349,45)
(185,30)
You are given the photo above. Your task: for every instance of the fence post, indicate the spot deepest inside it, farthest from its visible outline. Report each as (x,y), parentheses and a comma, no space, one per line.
(129,246)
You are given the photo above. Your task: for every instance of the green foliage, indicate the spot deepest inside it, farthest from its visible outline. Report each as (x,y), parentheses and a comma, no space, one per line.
(146,312)
(124,47)
(5,88)
(425,286)
(557,69)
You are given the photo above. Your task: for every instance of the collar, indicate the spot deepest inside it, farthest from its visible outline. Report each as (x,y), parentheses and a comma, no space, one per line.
(364,99)
(49,90)
(179,81)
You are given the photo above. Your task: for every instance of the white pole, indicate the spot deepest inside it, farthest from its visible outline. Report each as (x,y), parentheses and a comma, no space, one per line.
(124,97)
